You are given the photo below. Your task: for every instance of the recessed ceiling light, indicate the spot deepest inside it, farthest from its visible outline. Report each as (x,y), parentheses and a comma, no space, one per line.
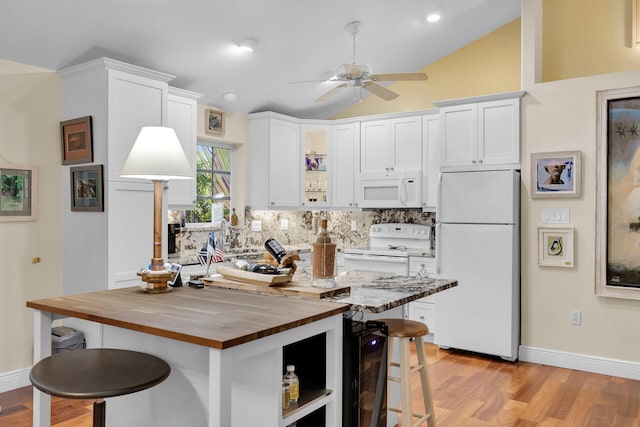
(433,16)
(230,96)
(248,45)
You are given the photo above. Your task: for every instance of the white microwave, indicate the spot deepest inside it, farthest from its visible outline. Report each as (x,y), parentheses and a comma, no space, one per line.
(400,190)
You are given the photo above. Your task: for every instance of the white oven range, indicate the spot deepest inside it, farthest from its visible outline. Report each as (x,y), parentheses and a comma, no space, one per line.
(390,248)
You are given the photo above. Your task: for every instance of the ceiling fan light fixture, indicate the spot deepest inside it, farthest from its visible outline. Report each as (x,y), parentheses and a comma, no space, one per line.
(248,45)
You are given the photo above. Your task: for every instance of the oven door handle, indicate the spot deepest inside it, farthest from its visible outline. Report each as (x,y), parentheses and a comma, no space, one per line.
(379,258)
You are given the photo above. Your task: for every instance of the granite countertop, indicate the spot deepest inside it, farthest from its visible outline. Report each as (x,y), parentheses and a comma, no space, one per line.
(377,292)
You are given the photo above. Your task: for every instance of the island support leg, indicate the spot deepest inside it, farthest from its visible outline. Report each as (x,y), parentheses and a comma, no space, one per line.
(41,349)
(220,377)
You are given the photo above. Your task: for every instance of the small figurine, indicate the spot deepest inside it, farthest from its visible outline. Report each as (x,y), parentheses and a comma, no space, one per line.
(234,218)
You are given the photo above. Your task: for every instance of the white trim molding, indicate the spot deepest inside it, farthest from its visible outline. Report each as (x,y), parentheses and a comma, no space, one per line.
(14,379)
(581,362)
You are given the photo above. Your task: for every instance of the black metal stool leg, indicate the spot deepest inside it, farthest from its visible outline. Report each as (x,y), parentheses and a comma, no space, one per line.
(99,413)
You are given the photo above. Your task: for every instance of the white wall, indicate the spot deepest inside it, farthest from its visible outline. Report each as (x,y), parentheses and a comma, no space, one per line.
(560,116)
(30,111)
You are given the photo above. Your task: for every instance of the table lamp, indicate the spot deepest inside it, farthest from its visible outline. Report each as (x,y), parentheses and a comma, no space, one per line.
(158,156)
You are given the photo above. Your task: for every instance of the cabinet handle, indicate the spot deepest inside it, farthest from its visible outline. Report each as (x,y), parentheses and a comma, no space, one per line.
(421,317)
(473,161)
(479,161)
(273,203)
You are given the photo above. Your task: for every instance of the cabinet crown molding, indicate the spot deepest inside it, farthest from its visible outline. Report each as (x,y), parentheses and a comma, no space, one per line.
(105,63)
(482,98)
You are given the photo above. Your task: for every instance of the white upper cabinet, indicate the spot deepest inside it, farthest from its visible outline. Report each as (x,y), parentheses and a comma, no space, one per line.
(430,160)
(481,132)
(316,166)
(344,156)
(182,117)
(390,147)
(275,162)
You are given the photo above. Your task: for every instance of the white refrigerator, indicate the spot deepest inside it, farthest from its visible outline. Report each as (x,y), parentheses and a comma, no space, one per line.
(478,243)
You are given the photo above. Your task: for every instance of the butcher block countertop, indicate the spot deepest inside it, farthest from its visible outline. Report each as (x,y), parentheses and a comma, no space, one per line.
(210,317)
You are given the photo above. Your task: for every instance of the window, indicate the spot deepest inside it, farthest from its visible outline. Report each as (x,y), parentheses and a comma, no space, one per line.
(213,183)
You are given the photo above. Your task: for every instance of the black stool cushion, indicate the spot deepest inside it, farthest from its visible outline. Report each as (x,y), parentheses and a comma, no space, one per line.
(98,373)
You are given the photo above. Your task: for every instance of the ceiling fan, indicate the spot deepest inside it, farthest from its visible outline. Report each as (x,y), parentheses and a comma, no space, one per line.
(359,76)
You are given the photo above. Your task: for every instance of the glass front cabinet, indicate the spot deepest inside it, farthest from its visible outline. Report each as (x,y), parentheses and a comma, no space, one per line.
(315,180)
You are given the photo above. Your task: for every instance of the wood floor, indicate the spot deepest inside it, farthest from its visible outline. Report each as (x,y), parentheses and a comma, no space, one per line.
(468,390)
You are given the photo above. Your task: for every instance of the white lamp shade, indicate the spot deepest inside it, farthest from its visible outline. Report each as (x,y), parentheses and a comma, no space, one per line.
(157,155)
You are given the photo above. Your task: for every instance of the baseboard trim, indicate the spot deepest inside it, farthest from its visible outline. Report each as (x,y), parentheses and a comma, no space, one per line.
(14,379)
(581,362)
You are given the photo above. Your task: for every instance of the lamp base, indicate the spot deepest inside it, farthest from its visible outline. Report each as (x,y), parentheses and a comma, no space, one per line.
(156,281)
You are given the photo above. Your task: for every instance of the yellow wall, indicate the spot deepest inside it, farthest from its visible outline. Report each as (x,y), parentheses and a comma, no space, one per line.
(561,116)
(30,112)
(587,38)
(489,65)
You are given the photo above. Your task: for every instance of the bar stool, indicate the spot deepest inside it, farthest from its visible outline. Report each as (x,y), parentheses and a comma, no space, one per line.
(98,373)
(404,330)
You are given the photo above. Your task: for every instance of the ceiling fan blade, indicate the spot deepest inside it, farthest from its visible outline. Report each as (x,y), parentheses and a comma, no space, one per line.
(353,70)
(306,81)
(398,76)
(331,92)
(380,91)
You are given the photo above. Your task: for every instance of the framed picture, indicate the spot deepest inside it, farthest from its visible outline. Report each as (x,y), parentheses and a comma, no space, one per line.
(87,189)
(555,174)
(618,193)
(214,121)
(18,198)
(555,246)
(77,143)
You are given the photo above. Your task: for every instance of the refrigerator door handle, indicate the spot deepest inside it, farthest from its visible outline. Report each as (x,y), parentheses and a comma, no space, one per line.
(438,245)
(439,195)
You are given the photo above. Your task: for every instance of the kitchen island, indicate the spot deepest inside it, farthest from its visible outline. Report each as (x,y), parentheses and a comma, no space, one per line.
(227,350)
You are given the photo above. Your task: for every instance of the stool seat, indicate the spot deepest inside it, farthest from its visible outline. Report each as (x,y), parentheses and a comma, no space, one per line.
(98,373)
(402,328)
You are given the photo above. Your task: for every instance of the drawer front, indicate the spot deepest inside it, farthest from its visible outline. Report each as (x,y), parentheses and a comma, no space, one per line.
(425,312)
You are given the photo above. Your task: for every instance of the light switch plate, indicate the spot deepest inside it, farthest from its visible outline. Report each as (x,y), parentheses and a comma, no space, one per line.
(256,225)
(556,216)
(354,225)
(284,224)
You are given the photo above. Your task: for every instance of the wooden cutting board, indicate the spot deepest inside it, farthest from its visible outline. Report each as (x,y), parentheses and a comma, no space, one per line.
(291,288)
(254,278)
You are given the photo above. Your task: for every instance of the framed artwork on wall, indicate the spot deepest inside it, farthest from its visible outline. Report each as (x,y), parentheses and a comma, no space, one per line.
(214,122)
(556,174)
(618,193)
(18,195)
(555,246)
(87,189)
(77,142)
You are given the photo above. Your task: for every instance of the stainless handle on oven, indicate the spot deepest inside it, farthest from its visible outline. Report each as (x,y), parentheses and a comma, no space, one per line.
(438,246)
(379,258)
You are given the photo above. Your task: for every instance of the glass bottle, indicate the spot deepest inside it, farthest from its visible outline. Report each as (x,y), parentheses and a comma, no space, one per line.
(294,384)
(286,396)
(323,259)
(234,218)
(275,249)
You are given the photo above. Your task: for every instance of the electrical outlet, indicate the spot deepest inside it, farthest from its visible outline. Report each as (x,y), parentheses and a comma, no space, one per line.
(284,224)
(576,317)
(256,225)
(354,225)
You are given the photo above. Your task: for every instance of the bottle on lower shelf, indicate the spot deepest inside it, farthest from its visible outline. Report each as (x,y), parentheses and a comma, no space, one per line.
(291,379)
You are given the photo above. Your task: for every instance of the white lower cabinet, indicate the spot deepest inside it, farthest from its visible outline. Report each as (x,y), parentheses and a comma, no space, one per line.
(424,309)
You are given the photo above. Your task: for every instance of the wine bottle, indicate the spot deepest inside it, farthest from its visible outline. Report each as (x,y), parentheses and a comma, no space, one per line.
(275,249)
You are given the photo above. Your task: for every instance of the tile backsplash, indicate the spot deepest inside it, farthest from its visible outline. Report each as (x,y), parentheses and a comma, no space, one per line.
(301,228)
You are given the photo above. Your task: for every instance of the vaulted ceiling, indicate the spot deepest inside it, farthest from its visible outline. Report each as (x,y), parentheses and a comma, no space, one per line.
(196,40)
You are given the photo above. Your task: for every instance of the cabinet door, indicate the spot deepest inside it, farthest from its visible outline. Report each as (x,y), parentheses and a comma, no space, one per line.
(459,135)
(375,151)
(430,161)
(284,164)
(316,170)
(406,143)
(182,117)
(344,164)
(134,102)
(499,132)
